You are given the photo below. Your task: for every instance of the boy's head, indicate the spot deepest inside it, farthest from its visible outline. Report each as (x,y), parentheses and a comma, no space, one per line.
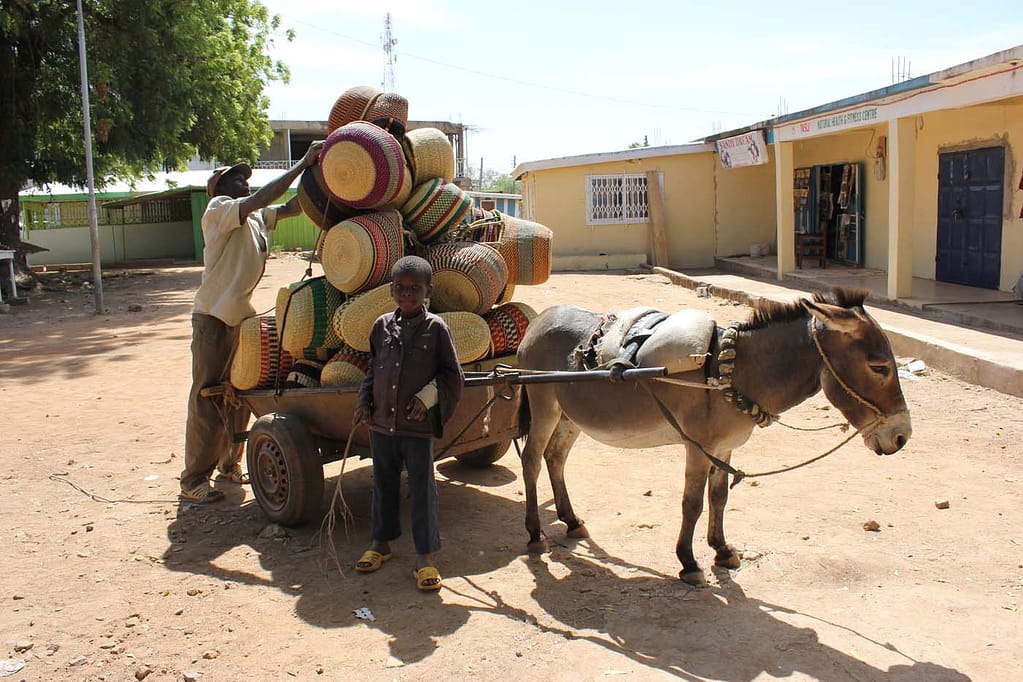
(411,279)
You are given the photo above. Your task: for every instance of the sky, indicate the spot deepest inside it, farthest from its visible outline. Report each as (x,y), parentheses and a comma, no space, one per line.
(539,80)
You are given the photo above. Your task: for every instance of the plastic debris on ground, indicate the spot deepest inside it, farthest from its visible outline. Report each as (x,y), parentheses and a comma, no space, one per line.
(363,613)
(9,666)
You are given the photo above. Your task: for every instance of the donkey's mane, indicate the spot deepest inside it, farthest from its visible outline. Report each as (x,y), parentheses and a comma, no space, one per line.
(773,312)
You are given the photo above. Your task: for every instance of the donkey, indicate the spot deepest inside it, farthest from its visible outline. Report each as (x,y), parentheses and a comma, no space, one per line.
(781,356)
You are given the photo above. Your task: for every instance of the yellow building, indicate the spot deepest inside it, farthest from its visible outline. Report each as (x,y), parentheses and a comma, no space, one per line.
(920,179)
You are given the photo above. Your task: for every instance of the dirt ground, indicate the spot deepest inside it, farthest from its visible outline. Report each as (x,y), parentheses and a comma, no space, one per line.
(104,575)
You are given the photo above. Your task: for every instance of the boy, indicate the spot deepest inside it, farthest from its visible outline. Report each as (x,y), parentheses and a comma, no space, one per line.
(413,372)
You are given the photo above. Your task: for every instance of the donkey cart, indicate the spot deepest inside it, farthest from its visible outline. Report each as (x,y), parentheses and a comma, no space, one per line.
(298,430)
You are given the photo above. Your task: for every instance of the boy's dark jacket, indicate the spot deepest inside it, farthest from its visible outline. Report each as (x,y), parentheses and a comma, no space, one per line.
(404,357)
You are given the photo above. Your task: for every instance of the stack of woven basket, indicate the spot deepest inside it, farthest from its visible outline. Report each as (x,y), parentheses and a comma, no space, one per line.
(380,193)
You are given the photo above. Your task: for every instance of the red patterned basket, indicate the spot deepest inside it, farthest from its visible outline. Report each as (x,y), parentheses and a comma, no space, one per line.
(352,105)
(435,207)
(258,360)
(363,165)
(358,253)
(508,325)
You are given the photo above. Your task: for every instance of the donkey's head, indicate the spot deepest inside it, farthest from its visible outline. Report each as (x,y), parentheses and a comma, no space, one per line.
(859,375)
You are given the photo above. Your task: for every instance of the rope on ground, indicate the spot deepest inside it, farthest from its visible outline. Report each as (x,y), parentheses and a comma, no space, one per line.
(62,476)
(337,500)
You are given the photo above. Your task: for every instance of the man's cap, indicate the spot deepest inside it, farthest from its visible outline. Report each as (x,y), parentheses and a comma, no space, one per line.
(211,184)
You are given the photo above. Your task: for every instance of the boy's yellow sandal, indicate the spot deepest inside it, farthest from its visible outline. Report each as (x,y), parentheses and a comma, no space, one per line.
(427,578)
(371,561)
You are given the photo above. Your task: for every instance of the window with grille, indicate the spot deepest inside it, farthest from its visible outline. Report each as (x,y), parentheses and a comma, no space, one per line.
(616,199)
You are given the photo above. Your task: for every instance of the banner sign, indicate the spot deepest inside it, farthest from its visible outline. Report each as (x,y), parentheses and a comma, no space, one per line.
(748,149)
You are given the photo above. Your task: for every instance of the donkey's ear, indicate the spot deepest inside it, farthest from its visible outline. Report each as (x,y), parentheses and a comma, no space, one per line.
(833,317)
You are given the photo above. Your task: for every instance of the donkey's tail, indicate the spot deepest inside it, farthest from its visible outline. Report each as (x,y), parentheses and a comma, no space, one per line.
(525,416)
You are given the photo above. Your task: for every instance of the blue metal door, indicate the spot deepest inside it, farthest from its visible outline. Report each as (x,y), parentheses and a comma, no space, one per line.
(970,194)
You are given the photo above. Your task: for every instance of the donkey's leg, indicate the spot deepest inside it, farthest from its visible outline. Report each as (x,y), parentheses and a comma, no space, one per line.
(545,413)
(697,468)
(717,496)
(556,454)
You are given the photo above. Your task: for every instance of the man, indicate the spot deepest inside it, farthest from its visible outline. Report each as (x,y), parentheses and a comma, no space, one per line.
(236,229)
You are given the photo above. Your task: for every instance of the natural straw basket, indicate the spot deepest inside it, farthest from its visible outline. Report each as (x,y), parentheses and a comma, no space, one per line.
(526,247)
(434,208)
(355,320)
(358,254)
(508,324)
(316,202)
(348,367)
(352,105)
(467,276)
(258,360)
(430,154)
(304,374)
(363,165)
(303,313)
(470,334)
(507,294)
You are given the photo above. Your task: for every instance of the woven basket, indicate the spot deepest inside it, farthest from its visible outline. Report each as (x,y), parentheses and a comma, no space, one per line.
(363,166)
(354,321)
(403,194)
(470,334)
(347,368)
(389,110)
(317,203)
(526,247)
(507,324)
(258,359)
(303,314)
(506,295)
(434,208)
(358,254)
(467,276)
(429,152)
(304,374)
(352,105)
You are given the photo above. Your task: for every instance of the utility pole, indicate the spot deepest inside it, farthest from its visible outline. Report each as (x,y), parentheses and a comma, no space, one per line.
(389,41)
(97,273)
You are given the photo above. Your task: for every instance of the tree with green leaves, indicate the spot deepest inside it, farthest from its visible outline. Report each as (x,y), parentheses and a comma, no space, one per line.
(168,79)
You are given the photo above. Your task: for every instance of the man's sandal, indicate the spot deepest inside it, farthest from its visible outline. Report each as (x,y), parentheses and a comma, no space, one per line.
(371,560)
(235,475)
(427,579)
(203,493)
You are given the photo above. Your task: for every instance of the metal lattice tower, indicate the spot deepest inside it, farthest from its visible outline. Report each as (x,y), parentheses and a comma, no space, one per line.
(389,41)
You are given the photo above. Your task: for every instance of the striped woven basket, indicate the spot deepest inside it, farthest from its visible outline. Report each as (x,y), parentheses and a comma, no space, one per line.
(506,294)
(358,254)
(304,374)
(508,324)
(303,314)
(348,367)
(259,360)
(389,110)
(470,334)
(526,247)
(352,105)
(317,203)
(354,321)
(363,166)
(429,153)
(467,276)
(434,208)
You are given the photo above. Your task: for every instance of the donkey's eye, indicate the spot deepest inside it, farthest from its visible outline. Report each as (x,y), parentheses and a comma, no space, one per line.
(881,370)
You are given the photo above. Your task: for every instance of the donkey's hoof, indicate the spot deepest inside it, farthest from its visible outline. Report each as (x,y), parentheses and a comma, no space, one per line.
(727,558)
(537,546)
(696,578)
(578,532)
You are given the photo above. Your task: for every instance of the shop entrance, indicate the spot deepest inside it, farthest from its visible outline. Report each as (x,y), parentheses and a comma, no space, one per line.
(970,194)
(829,206)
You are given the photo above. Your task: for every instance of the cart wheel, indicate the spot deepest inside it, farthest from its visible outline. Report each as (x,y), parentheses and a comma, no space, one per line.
(486,455)
(285,469)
